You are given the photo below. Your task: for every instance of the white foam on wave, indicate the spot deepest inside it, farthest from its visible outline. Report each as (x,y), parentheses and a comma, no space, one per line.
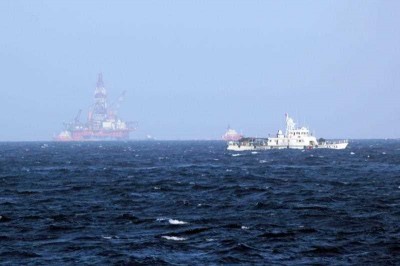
(175,238)
(262,161)
(236,154)
(254,152)
(244,227)
(352,153)
(161,219)
(173,221)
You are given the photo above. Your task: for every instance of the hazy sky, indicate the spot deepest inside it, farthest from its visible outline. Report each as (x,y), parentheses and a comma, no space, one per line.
(190,68)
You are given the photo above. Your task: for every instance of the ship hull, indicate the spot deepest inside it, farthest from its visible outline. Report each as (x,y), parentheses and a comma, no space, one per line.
(248,147)
(232,138)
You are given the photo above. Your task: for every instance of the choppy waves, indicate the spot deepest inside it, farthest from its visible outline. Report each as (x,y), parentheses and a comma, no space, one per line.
(196,203)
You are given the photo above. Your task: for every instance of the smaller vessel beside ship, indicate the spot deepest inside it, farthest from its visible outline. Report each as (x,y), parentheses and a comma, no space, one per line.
(231,135)
(293,138)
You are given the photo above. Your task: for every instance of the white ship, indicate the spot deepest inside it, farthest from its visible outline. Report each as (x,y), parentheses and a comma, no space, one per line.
(294,138)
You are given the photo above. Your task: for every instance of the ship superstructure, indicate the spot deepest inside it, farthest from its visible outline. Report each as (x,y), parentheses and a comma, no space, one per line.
(102,123)
(293,138)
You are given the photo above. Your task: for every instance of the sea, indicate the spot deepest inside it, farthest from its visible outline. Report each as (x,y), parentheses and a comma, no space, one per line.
(195,203)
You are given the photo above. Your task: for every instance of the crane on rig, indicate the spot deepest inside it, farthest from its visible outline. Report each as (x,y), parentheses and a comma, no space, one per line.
(114,107)
(77,117)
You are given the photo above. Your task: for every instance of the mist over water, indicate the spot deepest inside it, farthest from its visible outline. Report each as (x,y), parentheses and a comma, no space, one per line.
(196,203)
(191,68)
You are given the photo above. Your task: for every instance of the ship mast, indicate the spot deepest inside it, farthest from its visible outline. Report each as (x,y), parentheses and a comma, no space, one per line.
(290,125)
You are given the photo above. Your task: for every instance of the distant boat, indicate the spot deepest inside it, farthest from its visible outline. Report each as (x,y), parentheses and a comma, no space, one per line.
(150,137)
(293,138)
(231,135)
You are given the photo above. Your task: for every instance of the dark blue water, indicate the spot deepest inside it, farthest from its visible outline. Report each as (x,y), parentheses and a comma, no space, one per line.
(196,203)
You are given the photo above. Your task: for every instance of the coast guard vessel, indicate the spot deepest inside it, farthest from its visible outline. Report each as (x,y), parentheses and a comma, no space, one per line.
(293,138)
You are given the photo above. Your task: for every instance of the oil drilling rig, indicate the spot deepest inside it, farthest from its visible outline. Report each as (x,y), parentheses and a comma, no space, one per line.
(103,122)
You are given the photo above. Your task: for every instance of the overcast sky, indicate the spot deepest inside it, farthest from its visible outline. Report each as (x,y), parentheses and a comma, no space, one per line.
(190,68)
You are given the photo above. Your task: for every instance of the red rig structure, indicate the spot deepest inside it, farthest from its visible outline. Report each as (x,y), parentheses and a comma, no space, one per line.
(103,122)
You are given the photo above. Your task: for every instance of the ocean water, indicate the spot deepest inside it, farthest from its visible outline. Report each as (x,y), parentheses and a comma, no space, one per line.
(196,203)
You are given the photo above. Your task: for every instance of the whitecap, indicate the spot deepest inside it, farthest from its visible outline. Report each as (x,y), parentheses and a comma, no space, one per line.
(262,161)
(175,238)
(107,237)
(244,227)
(352,153)
(161,219)
(173,221)
(236,154)
(254,152)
